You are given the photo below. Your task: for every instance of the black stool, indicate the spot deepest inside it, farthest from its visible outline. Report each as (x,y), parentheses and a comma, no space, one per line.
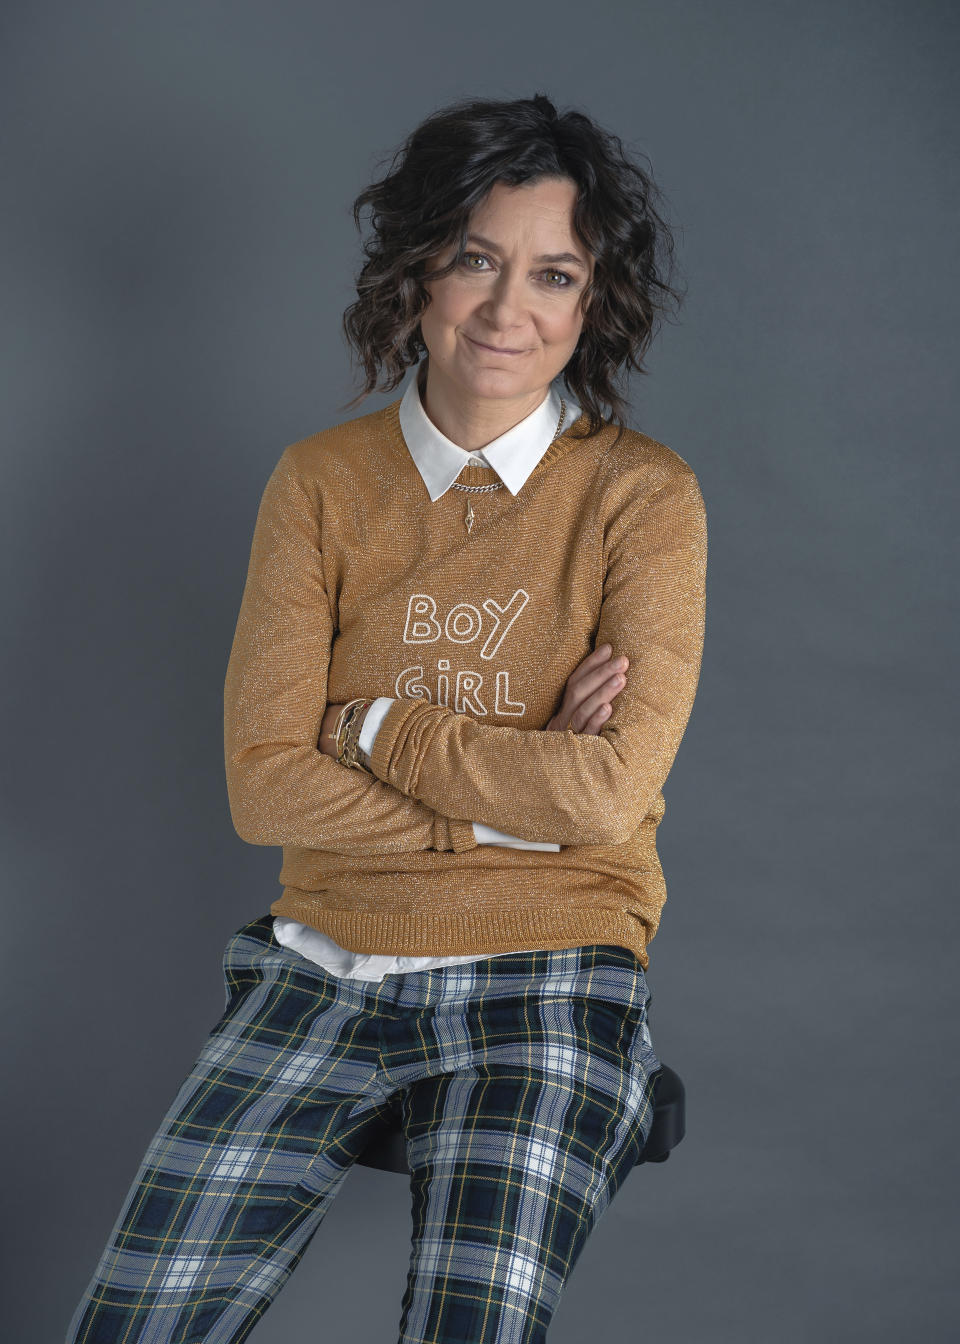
(387,1148)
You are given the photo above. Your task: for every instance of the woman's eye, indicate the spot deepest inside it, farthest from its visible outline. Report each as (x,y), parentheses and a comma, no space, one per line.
(479,256)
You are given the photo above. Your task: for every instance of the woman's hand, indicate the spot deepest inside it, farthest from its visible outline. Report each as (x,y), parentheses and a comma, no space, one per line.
(588,696)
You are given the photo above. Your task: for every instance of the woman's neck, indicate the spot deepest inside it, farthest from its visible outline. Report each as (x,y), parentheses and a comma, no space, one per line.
(472,423)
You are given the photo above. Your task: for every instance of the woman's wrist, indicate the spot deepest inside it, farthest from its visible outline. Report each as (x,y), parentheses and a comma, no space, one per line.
(349,726)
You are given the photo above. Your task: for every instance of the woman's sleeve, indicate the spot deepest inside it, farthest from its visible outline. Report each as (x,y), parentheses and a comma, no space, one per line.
(581,789)
(485,835)
(282,789)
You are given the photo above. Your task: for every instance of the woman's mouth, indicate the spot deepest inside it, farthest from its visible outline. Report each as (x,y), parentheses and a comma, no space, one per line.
(494,350)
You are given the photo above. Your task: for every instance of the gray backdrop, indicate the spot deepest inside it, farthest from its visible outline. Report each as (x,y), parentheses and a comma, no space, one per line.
(177,254)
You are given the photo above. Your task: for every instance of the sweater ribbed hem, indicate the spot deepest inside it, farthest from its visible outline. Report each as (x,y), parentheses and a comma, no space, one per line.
(463,932)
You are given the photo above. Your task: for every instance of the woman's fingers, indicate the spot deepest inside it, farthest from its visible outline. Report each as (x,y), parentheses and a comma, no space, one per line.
(596,704)
(590,690)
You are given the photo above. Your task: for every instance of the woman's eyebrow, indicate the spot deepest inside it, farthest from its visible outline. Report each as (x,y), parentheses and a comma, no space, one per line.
(551,258)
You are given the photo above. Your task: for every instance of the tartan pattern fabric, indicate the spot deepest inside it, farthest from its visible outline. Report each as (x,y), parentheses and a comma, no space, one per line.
(525,1083)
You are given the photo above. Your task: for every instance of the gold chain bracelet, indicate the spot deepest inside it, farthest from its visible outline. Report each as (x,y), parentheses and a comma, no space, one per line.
(346,734)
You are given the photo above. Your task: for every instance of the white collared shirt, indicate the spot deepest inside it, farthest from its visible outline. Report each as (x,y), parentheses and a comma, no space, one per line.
(513,455)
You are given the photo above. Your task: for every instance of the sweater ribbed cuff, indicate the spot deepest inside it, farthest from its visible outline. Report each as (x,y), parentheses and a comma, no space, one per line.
(461,835)
(387,734)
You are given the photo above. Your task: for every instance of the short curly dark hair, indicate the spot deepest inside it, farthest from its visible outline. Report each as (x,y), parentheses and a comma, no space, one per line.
(444,168)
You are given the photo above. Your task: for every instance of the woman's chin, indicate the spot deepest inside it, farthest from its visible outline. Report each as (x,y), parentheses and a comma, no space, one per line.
(493,382)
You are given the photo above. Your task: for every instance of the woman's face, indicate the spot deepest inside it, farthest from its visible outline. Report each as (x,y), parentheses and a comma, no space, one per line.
(506,294)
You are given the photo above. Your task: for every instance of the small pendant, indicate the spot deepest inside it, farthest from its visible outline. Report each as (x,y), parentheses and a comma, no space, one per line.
(468,516)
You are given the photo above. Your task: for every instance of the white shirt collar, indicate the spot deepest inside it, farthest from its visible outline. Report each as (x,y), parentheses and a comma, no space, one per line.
(513,455)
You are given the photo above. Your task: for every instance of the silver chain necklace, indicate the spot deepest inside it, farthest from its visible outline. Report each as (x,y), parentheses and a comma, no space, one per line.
(498,485)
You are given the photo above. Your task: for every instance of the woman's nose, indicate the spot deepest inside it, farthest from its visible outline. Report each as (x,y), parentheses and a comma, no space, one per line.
(505,297)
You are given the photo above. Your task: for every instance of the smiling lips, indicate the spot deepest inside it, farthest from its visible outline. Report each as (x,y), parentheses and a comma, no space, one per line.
(494,350)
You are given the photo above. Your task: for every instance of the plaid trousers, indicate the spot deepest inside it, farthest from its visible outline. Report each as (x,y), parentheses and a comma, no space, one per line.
(526,1085)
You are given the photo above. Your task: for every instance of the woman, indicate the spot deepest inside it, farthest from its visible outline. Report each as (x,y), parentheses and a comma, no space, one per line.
(428,706)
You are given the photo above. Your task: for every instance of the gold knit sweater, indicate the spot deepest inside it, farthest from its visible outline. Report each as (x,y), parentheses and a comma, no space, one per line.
(360,585)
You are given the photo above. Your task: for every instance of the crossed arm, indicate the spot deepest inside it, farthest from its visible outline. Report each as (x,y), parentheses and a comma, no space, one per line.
(436,772)
(371,716)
